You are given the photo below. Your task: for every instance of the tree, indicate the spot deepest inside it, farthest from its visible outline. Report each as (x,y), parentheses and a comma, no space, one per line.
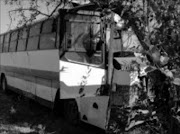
(156,23)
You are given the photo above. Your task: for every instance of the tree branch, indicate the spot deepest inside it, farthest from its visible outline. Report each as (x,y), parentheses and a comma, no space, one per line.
(10,22)
(24,9)
(55,8)
(29,9)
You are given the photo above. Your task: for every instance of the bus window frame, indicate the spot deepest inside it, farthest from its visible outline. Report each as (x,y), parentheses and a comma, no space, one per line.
(7,34)
(52,31)
(14,32)
(30,35)
(58,32)
(25,31)
(14,40)
(2,43)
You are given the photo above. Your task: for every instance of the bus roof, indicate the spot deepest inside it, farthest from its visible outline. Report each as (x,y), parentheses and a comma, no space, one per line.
(88,9)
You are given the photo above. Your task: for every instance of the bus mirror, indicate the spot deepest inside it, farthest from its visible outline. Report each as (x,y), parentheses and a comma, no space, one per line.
(69,43)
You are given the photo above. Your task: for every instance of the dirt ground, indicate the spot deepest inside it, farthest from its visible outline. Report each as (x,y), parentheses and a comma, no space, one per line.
(19,115)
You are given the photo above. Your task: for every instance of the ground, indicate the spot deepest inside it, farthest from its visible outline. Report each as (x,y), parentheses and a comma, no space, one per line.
(19,115)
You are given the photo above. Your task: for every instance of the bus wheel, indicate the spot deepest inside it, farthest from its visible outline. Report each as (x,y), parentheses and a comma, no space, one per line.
(4,84)
(71,112)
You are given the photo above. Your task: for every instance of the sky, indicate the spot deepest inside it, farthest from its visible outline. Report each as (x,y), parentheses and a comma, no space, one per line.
(4,19)
(4,16)
(4,13)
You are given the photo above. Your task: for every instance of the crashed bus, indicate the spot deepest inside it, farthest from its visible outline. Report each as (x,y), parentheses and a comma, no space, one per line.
(73,62)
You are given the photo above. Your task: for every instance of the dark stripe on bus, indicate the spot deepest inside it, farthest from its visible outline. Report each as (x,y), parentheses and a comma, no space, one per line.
(32,96)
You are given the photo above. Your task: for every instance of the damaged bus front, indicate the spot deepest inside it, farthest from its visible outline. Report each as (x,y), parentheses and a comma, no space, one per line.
(96,74)
(95,71)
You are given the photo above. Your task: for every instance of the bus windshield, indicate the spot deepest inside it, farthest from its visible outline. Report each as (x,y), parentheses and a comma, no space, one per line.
(83,41)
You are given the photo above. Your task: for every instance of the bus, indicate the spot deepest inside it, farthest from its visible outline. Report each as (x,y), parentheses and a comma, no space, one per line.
(65,62)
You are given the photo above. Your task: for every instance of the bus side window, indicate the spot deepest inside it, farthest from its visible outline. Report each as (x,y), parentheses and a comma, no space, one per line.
(12,47)
(22,39)
(1,42)
(35,30)
(47,41)
(14,35)
(33,39)
(48,26)
(13,42)
(48,35)
(32,43)
(6,43)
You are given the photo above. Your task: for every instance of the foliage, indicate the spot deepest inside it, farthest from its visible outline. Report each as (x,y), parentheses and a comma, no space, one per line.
(156,23)
(154,109)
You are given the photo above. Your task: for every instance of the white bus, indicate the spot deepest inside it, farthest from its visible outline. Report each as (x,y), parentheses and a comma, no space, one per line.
(64,62)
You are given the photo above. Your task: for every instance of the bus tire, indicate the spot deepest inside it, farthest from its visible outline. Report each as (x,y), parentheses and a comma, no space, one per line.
(71,112)
(4,86)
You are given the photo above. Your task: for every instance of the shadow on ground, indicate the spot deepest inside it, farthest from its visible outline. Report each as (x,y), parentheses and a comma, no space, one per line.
(19,115)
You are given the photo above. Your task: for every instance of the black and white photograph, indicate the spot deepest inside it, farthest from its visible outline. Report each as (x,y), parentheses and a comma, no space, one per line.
(89,66)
